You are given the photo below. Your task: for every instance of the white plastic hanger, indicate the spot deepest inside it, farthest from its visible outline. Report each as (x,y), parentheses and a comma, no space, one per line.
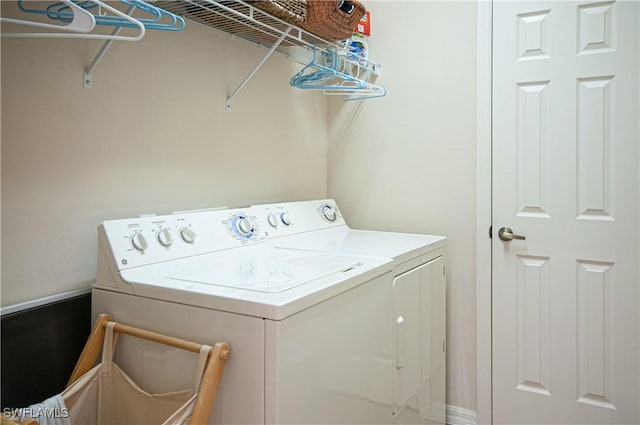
(83,20)
(76,13)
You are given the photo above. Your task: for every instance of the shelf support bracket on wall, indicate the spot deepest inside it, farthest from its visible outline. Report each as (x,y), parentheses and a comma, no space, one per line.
(257,67)
(87,79)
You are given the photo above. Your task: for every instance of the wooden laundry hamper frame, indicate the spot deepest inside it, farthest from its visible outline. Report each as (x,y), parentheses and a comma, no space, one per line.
(210,379)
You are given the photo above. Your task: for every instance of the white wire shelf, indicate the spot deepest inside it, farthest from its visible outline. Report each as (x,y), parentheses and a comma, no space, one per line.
(243,20)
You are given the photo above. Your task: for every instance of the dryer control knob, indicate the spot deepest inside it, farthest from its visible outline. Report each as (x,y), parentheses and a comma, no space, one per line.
(188,235)
(285,219)
(139,242)
(329,213)
(164,237)
(273,220)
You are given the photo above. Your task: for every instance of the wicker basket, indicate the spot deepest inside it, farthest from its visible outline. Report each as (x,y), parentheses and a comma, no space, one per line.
(325,20)
(291,11)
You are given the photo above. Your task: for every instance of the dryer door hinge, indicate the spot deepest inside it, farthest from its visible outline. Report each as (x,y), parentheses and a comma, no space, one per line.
(490,232)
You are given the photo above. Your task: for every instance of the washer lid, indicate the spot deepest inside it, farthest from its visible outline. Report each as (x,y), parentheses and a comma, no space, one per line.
(258,280)
(276,272)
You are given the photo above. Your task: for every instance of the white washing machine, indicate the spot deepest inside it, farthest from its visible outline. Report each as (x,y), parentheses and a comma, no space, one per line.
(419,295)
(310,333)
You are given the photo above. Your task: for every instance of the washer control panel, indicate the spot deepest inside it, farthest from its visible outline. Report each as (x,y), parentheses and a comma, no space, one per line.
(152,239)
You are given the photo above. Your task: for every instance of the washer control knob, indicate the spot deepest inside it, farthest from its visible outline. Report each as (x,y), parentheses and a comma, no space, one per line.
(273,220)
(329,213)
(285,219)
(139,242)
(164,237)
(244,226)
(188,235)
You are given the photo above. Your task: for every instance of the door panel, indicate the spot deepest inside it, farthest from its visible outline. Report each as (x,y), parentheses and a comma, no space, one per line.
(565,175)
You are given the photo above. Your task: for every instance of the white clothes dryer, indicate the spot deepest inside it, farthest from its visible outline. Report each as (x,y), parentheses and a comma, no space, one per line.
(419,295)
(309,331)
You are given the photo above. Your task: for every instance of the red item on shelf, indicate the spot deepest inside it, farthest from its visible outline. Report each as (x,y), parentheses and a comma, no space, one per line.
(364,26)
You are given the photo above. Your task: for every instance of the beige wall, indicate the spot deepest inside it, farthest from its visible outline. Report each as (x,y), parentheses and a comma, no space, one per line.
(151,136)
(407,162)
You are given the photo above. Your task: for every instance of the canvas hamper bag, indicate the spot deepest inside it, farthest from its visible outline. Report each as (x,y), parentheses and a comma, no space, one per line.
(105,395)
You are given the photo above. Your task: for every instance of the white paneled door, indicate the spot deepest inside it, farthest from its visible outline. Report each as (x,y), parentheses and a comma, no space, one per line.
(565,176)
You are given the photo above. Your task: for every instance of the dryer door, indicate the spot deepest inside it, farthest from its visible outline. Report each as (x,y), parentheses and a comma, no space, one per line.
(419,361)
(407,370)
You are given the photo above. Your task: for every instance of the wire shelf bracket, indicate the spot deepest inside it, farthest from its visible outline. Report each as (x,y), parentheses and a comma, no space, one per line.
(87,78)
(256,68)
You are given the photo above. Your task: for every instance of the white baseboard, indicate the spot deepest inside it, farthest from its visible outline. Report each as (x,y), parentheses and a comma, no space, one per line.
(15,308)
(460,416)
